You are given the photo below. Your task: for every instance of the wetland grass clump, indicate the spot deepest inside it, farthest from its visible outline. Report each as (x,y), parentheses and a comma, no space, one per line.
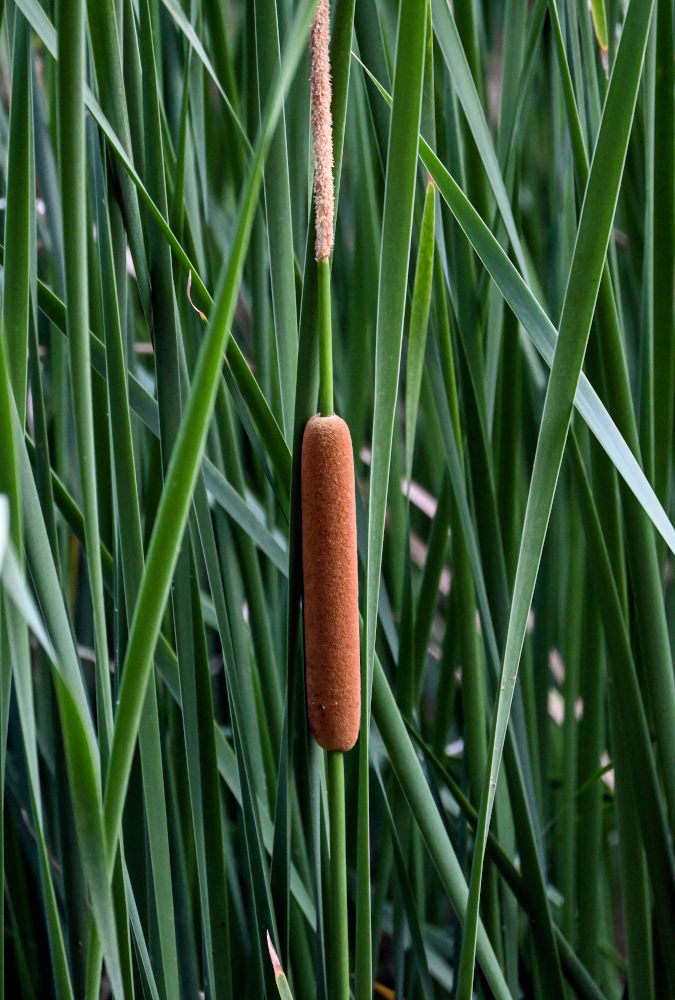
(479,802)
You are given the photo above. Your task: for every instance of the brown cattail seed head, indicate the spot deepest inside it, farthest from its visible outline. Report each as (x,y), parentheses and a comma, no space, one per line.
(331,585)
(322,131)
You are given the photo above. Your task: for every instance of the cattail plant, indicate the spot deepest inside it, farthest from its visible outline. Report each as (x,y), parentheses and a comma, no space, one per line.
(328,507)
(327,491)
(330,571)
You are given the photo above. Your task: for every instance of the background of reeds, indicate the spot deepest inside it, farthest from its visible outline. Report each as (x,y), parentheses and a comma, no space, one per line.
(163,804)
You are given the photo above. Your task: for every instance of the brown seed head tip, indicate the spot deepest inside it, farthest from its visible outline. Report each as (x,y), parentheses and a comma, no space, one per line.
(322,130)
(331,584)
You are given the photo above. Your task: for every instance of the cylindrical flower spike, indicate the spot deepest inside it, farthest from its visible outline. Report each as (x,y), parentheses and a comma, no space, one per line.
(322,131)
(331,589)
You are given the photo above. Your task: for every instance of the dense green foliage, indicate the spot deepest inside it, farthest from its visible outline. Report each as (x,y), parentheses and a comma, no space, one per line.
(504,354)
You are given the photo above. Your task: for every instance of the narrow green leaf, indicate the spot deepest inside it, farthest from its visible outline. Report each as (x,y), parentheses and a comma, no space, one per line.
(74,211)
(600,24)
(394,255)
(278,214)
(105,43)
(19,214)
(419,320)
(4,528)
(663,249)
(458,67)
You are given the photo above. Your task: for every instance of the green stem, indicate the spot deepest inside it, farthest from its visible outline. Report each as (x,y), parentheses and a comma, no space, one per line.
(325,341)
(335,779)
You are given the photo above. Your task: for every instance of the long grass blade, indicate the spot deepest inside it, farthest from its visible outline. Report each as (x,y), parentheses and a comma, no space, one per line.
(394,253)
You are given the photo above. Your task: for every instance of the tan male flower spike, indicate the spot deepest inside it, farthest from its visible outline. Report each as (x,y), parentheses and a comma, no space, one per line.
(322,131)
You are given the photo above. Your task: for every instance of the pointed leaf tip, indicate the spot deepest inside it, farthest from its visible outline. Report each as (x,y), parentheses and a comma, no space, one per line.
(276,964)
